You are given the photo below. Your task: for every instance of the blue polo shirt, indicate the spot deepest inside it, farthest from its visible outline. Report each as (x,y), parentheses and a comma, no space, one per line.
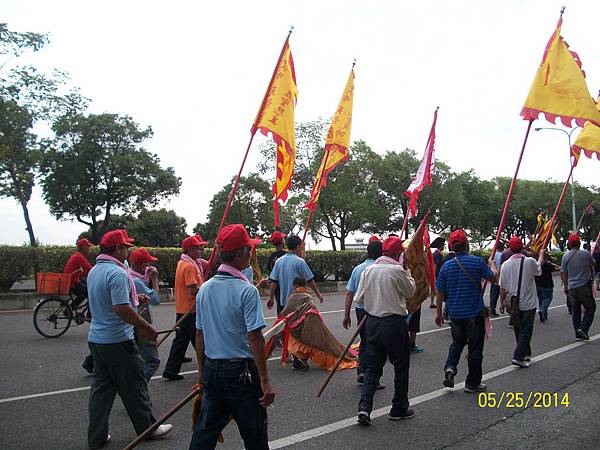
(286,268)
(463,297)
(354,280)
(143,288)
(227,309)
(108,285)
(249,273)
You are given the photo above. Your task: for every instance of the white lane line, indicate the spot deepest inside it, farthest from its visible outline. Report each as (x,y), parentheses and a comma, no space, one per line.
(158,377)
(336,426)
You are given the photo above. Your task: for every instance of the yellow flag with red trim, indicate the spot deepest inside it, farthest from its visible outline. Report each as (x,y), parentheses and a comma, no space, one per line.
(559,88)
(337,143)
(588,140)
(276,116)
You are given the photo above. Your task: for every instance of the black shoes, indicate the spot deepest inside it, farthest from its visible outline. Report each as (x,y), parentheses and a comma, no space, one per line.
(298,364)
(471,389)
(172,376)
(400,415)
(364,418)
(581,335)
(542,317)
(449,378)
(187,359)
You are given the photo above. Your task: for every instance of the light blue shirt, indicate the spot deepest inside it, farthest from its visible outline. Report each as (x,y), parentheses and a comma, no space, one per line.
(354,280)
(227,309)
(249,273)
(286,268)
(143,288)
(108,285)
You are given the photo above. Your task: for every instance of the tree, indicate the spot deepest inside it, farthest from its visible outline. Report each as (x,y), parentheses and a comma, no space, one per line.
(158,228)
(26,97)
(251,206)
(96,166)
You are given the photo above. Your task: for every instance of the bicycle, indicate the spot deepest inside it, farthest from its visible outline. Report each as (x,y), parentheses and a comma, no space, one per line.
(53,314)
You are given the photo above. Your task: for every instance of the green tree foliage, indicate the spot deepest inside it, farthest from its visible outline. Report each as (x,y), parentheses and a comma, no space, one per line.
(26,97)
(251,206)
(96,166)
(157,228)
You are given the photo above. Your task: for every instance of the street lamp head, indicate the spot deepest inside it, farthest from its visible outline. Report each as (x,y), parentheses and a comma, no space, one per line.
(537,129)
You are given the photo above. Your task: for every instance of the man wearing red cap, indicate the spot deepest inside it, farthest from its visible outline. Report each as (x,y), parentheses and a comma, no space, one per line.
(145,278)
(231,359)
(118,365)
(278,240)
(517,278)
(459,284)
(188,278)
(78,266)
(383,289)
(577,274)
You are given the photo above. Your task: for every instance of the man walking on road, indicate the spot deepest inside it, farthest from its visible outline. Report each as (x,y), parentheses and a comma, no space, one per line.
(459,283)
(577,273)
(277,239)
(517,278)
(383,289)
(188,279)
(231,359)
(118,365)
(373,252)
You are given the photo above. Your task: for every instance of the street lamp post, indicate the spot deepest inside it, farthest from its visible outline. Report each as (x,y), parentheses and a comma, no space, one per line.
(568,133)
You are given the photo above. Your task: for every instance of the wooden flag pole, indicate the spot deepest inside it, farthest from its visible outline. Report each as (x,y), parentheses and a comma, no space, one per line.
(404,224)
(509,198)
(213,255)
(160,421)
(339,360)
(558,204)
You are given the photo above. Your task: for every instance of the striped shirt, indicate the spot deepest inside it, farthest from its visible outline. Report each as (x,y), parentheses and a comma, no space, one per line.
(464,299)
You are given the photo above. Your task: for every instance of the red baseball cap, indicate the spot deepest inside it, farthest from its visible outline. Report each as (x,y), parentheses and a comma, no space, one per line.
(515,244)
(374,238)
(233,237)
(82,243)
(192,241)
(116,237)
(457,237)
(574,239)
(141,256)
(393,244)
(277,237)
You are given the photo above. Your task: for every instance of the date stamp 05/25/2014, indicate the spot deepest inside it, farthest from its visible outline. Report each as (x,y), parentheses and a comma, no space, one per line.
(523,400)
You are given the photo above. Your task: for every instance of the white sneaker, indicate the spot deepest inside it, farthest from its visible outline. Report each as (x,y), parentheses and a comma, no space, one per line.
(161,431)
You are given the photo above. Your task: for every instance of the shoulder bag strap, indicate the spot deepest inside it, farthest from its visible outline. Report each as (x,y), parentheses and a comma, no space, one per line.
(520,279)
(478,286)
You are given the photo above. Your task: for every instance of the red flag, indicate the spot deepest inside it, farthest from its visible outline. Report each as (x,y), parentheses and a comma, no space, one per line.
(425,172)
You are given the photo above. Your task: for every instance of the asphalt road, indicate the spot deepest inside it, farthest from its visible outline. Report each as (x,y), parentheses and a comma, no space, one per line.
(44,393)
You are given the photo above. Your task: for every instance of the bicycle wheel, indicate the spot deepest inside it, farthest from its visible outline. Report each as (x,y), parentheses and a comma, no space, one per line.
(52,317)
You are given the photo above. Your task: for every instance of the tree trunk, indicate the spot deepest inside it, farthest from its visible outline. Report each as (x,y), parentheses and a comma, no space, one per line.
(28,225)
(342,233)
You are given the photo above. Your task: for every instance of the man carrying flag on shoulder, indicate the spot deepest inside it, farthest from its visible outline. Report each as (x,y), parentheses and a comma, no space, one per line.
(232,365)
(278,240)
(188,279)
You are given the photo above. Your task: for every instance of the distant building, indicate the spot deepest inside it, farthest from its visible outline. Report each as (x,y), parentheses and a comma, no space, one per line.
(358,245)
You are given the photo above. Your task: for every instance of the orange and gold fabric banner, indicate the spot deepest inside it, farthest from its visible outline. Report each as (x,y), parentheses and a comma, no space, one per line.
(559,88)
(337,142)
(276,116)
(588,140)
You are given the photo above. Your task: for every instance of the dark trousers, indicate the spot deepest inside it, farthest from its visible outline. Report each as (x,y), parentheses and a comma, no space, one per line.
(494,295)
(387,338)
(362,350)
(582,296)
(80,293)
(469,332)
(225,394)
(118,368)
(183,337)
(523,321)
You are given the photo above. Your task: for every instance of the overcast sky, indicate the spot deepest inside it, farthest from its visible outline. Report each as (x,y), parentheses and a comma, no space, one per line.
(196,72)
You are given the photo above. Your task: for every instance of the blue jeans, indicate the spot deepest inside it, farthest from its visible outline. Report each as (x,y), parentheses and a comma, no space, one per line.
(149,353)
(494,295)
(469,332)
(544,298)
(225,395)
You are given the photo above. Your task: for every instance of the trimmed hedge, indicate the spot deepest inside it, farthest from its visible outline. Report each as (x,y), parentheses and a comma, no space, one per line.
(18,263)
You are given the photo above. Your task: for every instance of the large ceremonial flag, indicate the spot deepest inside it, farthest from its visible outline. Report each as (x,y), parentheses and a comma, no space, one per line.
(337,142)
(588,140)
(276,116)
(424,175)
(559,88)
